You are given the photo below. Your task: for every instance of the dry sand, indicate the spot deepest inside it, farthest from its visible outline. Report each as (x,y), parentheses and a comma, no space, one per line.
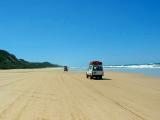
(49,94)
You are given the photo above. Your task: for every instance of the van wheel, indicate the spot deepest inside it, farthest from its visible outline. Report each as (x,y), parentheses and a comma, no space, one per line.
(91,77)
(86,76)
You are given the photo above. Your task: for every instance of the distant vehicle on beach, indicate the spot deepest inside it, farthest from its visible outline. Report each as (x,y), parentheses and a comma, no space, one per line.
(66,68)
(95,70)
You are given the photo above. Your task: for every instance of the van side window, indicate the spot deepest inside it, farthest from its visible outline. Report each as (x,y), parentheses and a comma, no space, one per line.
(90,67)
(97,68)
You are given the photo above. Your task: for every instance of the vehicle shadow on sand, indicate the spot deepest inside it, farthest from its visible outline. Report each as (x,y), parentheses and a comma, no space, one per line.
(102,79)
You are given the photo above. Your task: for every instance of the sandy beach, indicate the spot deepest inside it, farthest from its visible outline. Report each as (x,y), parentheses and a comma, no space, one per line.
(51,94)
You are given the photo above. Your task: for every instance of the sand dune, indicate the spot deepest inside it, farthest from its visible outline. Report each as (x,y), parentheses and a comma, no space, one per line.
(49,94)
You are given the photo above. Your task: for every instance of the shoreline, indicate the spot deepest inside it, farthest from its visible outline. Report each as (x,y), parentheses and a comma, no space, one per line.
(77,71)
(146,72)
(83,71)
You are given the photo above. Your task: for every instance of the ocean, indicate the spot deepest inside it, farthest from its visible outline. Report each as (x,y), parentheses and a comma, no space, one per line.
(146,69)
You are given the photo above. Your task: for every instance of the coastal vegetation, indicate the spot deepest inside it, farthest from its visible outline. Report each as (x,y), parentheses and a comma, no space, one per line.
(10,61)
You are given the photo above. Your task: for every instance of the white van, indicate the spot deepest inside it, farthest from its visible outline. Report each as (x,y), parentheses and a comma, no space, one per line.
(95,70)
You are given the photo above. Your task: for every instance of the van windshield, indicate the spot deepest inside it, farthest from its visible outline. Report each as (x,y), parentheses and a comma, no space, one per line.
(97,68)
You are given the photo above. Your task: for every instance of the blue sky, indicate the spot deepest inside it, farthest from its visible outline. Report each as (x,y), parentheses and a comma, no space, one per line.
(73,32)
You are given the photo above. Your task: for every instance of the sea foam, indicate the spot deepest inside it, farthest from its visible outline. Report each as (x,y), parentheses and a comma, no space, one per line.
(143,66)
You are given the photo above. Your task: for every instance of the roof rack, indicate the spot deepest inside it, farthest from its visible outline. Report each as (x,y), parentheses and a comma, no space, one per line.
(95,63)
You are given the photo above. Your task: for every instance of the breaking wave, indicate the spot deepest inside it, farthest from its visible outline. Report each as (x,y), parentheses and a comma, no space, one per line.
(145,66)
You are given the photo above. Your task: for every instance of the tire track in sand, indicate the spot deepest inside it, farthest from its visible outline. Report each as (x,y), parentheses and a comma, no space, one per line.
(95,90)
